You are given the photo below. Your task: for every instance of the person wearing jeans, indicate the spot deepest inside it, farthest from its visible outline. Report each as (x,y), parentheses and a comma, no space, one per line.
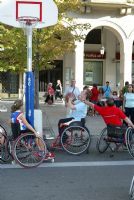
(129,102)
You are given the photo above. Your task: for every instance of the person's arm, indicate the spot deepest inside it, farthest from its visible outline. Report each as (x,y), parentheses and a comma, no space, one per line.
(21,117)
(129,122)
(88,103)
(61,88)
(70,104)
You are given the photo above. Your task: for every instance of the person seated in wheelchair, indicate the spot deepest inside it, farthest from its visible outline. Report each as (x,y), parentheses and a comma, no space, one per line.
(18,118)
(77,114)
(112,115)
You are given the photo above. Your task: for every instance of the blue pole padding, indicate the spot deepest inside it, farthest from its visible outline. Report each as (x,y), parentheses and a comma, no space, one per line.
(29,95)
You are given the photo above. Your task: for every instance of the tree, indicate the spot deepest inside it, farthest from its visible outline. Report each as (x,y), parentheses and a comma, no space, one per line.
(48,43)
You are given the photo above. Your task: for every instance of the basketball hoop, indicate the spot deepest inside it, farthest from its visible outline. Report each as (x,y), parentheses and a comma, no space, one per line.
(27,22)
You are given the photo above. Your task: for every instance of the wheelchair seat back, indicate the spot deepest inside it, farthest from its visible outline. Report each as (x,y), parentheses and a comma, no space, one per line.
(15,127)
(116,131)
(78,123)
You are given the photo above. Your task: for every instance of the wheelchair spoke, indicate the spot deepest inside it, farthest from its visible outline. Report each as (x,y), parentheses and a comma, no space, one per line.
(130,141)
(103,142)
(75,140)
(29,151)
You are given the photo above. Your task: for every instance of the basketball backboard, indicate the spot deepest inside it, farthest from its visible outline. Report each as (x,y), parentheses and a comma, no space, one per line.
(45,10)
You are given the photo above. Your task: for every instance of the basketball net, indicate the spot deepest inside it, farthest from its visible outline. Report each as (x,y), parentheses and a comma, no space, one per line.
(28,23)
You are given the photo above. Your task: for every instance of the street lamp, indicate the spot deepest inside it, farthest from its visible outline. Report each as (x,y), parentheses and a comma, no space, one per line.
(102,49)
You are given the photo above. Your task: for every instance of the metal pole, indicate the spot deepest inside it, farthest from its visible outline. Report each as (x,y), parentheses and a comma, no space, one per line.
(29,48)
(29,79)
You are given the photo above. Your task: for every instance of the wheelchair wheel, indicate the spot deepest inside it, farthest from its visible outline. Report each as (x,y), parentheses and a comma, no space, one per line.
(75,140)
(29,150)
(102,144)
(5,148)
(131,190)
(130,141)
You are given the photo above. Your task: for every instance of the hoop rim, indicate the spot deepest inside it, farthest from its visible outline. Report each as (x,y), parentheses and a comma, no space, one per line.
(28,20)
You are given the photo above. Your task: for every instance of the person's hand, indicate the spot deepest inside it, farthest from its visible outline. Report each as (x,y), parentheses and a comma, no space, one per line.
(81,98)
(37,134)
(70,99)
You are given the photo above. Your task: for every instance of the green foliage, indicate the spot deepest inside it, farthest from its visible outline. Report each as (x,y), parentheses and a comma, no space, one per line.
(48,43)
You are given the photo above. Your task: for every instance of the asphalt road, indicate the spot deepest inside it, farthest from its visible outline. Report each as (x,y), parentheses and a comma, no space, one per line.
(92,176)
(66,183)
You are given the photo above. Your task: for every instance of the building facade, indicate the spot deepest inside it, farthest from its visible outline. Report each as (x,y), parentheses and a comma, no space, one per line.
(106,54)
(112,23)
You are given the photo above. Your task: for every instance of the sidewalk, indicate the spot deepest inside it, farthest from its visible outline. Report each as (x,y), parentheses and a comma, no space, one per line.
(51,115)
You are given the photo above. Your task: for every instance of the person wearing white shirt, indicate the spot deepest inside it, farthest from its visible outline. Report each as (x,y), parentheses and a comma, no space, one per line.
(73,89)
(129,102)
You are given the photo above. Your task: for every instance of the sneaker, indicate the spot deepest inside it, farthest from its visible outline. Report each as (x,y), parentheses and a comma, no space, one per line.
(49,156)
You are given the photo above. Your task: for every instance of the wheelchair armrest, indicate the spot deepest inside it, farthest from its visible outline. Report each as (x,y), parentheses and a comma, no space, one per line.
(76,123)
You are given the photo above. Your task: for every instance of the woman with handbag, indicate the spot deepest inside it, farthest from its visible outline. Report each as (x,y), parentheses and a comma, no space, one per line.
(50,94)
(58,91)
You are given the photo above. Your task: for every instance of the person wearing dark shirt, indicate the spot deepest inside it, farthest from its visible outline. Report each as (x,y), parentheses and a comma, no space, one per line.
(58,91)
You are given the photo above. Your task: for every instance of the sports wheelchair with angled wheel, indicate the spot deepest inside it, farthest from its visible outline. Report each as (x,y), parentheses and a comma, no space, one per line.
(75,139)
(26,149)
(119,136)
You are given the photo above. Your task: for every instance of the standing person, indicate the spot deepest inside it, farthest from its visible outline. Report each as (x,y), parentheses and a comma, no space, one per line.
(129,102)
(107,90)
(50,94)
(94,96)
(58,90)
(125,88)
(101,94)
(72,89)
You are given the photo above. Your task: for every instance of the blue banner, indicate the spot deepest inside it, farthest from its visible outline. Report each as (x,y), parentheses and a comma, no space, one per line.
(29,95)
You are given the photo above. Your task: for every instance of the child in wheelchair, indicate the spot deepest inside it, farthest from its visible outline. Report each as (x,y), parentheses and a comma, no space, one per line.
(18,118)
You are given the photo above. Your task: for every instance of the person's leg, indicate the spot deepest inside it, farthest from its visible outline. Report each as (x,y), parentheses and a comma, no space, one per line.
(127,111)
(56,95)
(132,114)
(62,121)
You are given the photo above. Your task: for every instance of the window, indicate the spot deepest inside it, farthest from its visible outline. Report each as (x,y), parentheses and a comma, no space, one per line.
(93,72)
(94,37)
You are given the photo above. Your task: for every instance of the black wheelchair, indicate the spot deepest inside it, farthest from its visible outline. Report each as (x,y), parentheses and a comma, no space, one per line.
(117,135)
(76,138)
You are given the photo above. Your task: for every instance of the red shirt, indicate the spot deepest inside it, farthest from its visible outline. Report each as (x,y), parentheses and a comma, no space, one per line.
(94,94)
(111,115)
(50,90)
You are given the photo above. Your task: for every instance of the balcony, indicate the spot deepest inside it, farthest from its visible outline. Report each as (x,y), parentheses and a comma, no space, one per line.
(111,3)
(125,7)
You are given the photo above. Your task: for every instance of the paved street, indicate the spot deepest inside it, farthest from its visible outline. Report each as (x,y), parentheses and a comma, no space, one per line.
(66,183)
(91,176)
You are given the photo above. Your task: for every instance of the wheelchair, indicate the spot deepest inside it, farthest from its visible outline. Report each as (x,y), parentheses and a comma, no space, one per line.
(26,149)
(76,138)
(117,135)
